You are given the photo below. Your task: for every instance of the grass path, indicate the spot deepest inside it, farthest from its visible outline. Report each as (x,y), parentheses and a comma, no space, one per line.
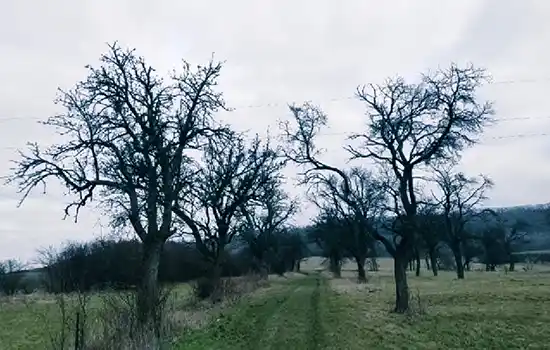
(285,318)
(486,312)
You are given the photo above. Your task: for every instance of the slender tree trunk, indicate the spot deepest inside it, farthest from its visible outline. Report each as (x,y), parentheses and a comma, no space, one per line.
(374,264)
(512,265)
(458,260)
(433,260)
(335,267)
(264,270)
(148,291)
(361,274)
(401,284)
(427,261)
(417,258)
(297,266)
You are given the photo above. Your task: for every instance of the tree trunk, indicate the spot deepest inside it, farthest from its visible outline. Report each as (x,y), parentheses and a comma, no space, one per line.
(264,270)
(361,274)
(335,268)
(374,264)
(512,265)
(433,260)
(401,284)
(297,266)
(417,258)
(427,261)
(457,252)
(148,291)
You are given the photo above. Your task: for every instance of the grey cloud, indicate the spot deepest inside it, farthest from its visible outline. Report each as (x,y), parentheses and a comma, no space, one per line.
(276,51)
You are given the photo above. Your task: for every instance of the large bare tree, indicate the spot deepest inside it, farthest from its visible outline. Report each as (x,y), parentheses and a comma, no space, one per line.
(408,127)
(460,197)
(127,133)
(411,126)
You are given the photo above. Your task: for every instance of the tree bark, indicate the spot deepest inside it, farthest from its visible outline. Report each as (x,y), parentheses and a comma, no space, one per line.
(148,291)
(264,270)
(401,285)
(297,267)
(361,274)
(433,260)
(458,260)
(374,264)
(335,268)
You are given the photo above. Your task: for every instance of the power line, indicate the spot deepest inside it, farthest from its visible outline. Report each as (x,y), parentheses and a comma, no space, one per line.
(500,137)
(337,99)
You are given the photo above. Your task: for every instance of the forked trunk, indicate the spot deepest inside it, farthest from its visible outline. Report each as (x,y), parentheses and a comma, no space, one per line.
(148,291)
(401,285)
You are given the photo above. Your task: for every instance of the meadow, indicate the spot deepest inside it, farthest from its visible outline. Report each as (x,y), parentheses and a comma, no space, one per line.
(487,310)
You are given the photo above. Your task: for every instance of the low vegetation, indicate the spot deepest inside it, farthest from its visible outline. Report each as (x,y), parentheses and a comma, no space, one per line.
(314,311)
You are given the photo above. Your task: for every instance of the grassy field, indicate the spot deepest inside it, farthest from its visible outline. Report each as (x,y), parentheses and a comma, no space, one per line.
(485,311)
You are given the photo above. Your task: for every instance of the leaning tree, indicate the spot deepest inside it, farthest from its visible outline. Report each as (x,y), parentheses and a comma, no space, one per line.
(127,135)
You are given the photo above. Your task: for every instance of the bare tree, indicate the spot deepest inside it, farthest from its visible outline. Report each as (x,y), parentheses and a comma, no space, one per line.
(233,174)
(358,207)
(429,223)
(328,233)
(11,275)
(265,220)
(127,135)
(411,126)
(459,200)
(502,238)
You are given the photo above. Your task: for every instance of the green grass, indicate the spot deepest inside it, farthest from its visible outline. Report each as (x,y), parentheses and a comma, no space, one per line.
(484,311)
(29,321)
(284,317)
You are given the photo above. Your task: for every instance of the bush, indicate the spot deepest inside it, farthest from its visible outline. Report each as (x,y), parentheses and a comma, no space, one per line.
(204,287)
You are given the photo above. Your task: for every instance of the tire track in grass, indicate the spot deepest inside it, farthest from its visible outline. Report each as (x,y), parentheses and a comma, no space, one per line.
(296,324)
(244,328)
(316,332)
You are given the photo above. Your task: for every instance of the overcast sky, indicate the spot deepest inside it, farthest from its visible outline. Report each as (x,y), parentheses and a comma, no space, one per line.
(278,52)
